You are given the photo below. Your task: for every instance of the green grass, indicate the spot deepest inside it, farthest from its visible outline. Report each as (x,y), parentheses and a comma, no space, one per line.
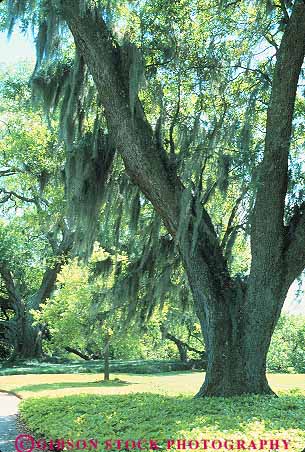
(167,383)
(77,367)
(162,417)
(157,406)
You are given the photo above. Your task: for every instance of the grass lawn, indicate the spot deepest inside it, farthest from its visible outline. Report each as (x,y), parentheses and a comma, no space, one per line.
(158,407)
(169,383)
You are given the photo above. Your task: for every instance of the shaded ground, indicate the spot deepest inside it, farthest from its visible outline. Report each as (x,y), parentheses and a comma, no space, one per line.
(8,422)
(79,366)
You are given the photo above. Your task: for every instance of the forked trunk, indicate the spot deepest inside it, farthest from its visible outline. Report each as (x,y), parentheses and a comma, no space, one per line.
(28,337)
(237,343)
(234,367)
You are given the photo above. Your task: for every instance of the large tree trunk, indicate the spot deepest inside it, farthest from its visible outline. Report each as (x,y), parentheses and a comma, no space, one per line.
(19,331)
(237,349)
(28,338)
(237,370)
(237,321)
(29,343)
(23,336)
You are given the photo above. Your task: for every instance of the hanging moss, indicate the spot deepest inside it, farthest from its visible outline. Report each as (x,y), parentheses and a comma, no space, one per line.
(133,65)
(164,284)
(86,174)
(195,130)
(135,209)
(50,82)
(183,138)
(117,225)
(184,219)
(48,39)
(245,136)
(199,213)
(16,10)
(147,282)
(224,165)
(89,158)
(103,267)
(72,107)
(41,41)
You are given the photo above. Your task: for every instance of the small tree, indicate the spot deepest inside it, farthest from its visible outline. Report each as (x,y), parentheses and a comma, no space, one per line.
(80,318)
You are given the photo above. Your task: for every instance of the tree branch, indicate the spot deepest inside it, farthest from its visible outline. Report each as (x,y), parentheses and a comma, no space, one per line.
(230,227)
(9,282)
(234,3)
(6,304)
(10,286)
(269,38)
(7,172)
(180,343)
(268,232)
(295,252)
(256,70)
(10,194)
(131,133)
(77,352)
(133,137)
(173,123)
(285,12)
(50,275)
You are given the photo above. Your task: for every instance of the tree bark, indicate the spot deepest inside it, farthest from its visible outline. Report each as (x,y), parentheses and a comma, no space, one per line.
(237,321)
(21,334)
(106,358)
(18,331)
(28,341)
(236,351)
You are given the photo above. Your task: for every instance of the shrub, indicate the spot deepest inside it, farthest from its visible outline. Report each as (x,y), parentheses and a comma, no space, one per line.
(287,349)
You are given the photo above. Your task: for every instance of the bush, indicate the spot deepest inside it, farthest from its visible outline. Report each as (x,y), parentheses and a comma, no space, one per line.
(287,349)
(5,351)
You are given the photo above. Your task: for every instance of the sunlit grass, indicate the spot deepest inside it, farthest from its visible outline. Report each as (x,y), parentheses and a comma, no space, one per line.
(173,383)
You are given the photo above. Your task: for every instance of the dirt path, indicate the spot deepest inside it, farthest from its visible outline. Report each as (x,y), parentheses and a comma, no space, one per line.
(8,422)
